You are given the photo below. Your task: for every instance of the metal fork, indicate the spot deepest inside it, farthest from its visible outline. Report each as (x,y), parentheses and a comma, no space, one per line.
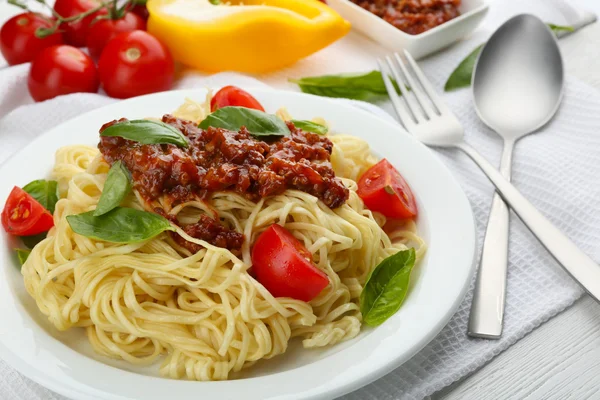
(427,118)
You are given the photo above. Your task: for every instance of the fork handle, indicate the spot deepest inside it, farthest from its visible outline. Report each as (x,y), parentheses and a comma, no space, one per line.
(487,307)
(578,264)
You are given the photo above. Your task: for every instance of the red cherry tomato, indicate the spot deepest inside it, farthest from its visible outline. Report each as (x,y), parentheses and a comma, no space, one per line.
(18,42)
(135,63)
(141,10)
(234,96)
(102,31)
(383,189)
(24,216)
(61,70)
(75,33)
(284,266)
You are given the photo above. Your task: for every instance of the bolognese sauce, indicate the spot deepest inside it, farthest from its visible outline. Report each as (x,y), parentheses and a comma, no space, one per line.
(413,16)
(221,160)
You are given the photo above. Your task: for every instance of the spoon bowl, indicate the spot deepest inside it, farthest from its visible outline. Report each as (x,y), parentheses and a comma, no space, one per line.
(518,78)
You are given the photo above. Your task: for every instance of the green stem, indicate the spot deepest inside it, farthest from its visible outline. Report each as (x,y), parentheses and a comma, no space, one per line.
(112,12)
(83,14)
(43,32)
(49,7)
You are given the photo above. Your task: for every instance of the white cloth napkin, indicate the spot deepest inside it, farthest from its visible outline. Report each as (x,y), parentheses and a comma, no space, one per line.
(558,169)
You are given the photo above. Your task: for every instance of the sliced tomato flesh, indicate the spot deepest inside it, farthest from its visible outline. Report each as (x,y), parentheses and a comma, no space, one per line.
(384,190)
(284,266)
(25,216)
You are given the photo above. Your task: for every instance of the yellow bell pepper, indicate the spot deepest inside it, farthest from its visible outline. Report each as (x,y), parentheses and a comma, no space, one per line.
(244,35)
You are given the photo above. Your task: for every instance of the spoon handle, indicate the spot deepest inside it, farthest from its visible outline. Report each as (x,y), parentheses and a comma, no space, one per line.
(487,307)
(579,265)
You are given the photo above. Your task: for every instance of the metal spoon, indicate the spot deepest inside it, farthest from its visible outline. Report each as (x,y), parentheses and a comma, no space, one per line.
(517,88)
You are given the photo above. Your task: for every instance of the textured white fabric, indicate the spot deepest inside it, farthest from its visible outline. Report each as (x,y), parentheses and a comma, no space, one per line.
(558,169)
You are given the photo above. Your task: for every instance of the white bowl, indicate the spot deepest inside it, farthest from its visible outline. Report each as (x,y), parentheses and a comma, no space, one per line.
(66,363)
(472,13)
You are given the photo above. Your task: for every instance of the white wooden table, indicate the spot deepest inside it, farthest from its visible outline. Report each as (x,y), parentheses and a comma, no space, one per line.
(560,359)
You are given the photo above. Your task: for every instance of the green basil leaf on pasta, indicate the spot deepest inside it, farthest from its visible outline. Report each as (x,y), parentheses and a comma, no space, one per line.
(45,192)
(120,225)
(356,86)
(22,255)
(257,122)
(309,126)
(147,132)
(116,188)
(386,287)
(461,76)
(32,241)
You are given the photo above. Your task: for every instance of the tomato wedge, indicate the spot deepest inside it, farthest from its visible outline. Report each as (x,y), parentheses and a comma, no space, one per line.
(284,266)
(25,216)
(234,96)
(383,189)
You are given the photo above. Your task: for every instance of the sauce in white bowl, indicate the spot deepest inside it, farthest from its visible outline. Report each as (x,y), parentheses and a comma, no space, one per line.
(472,13)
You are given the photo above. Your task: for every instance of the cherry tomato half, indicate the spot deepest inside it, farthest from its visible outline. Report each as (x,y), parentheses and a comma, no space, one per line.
(102,31)
(61,70)
(75,33)
(135,63)
(383,189)
(24,216)
(234,96)
(284,266)
(18,42)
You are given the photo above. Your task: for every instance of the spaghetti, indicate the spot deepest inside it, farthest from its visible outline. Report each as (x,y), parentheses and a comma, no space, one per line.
(203,312)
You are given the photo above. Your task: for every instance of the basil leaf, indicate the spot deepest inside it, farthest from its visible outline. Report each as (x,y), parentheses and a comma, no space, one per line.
(147,132)
(22,255)
(461,76)
(32,241)
(386,287)
(357,86)
(116,188)
(309,126)
(45,192)
(257,122)
(561,28)
(121,225)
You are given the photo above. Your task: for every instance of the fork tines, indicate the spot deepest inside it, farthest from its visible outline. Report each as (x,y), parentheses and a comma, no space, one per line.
(419,102)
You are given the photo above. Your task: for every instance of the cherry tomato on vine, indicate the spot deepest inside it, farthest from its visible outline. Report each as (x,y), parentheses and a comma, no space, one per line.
(141,10)
(234,96)
(75,33)
(61,70)
(102,31)
(18,42)
(135,63)
(284,266)
(25,216)
(383,189)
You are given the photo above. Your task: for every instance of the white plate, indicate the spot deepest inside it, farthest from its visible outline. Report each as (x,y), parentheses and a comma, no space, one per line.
(65,363)
(471,15)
